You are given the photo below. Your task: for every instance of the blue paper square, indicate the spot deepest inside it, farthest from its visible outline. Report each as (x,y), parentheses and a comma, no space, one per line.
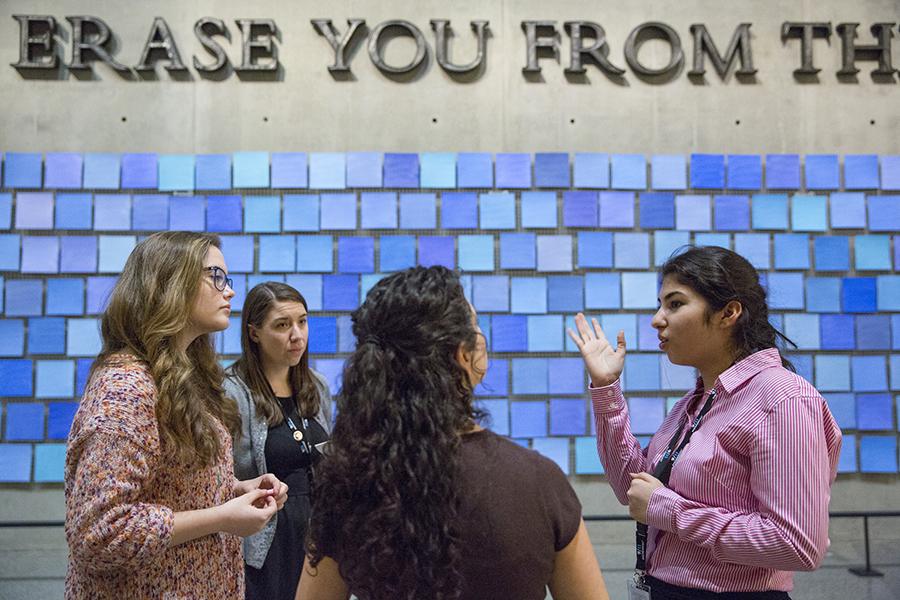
(346,341)
(832,372)
(554,253)
(722,240)
(476,252)
(744,172)
(112,212)
(176,172)
(338,211)
(888,292)
(878,454)
(497,210)
(397,252)
(65,296)
(490,293)
(869,374)
(340,292)
(150,212)
(617,210)
(365,169)
(262,214)
(657,210)
(418,211)
(754,247)
(438,170)
(647,414)
(568,417)
(612,324)
(12,337)
(77,254)
(566,375)
(643,375)
(356,255)
(15,378)
(629,171)
(595,249)
(74,211)
(890,172)
(40,254)
(803,330)
(822,172)
(34,210)
(785,291)
(539,210)
(309,286)
(22,170)
(238,252)
(707,171)
(301,212)
(580,209)
(82,371)
(646,334)
(770,211)
(327,170)
(474,170)
(861,172)
(884,213)
(809,213)
(551,170)
(322,335)
(497,419)
(224,214)
(513,171)
(843,408)
(187,213)
(565,293)
(55,379)
(15,462)
(848,211)
(872,252)
(693,213)
(63,170)
(639,290)
(213,172)
(528,419)
(277,253)
(587,460)
(24,421)
(379,210)
(250,170)
(669,172)
(289,170)
(873,332)
(6,211)
(530,376)
(438,250)
(556,450)
(509,333)
(591,170)
(518,251)
(49,462)
(401,170)
(602,290)
(832,253)
(140,171)
(459,210)
(101,171)
(59,419)
(837,332)
(114,251)
(791,251)
(315,253)
(529,295)
(24,297)
(783,171)
(632,250)
(46,335)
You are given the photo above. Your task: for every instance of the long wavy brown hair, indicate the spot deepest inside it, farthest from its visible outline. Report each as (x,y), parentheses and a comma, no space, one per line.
(149,307)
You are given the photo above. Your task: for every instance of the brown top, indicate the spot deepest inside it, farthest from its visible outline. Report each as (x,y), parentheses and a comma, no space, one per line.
(517,511)
(122,495)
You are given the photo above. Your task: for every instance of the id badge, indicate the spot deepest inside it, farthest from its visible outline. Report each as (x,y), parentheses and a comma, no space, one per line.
(638,591)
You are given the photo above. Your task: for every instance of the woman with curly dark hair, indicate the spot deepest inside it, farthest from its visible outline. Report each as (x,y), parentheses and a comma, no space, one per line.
(415,499)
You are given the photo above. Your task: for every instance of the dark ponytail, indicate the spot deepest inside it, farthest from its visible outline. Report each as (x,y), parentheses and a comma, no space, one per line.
(720,276)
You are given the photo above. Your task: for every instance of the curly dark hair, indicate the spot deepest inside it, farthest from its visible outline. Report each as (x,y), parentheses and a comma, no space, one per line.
(385,499)
(720,275)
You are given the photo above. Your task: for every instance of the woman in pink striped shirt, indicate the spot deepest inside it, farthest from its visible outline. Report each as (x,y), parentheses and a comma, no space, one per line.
(731,508)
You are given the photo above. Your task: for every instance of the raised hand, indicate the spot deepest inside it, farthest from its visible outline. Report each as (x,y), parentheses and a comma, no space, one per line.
(603,362)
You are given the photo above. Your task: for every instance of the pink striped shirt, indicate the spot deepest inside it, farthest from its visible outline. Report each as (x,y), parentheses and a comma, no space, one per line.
(747,502)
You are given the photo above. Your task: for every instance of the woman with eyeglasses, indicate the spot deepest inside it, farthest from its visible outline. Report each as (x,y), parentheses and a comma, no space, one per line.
(153,509)
(285,410)
(415,499)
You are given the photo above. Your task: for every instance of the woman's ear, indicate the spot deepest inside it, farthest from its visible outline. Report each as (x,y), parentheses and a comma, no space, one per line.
(254,335)
(731,313)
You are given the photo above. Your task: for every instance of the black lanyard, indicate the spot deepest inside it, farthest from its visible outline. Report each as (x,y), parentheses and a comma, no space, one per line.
(663,471)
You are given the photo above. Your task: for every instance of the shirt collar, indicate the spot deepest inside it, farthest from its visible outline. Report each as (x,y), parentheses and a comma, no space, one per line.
(741,371)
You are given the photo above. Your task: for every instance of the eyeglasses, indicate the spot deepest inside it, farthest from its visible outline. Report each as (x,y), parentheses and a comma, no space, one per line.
(220,279)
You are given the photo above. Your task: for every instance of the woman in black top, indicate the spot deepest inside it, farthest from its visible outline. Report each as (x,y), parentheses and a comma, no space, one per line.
(285,408)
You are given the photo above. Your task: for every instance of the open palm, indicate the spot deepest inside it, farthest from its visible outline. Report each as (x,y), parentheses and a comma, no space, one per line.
(604,362)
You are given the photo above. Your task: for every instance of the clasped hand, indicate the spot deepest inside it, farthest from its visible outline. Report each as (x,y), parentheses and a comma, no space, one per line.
(639,492)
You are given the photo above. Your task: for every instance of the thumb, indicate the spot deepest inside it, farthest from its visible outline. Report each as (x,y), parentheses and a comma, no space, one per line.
(268,481)
(254,495)
(620,339)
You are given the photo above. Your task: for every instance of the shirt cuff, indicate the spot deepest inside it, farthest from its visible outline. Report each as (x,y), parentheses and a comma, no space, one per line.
(661,509)
(608,398)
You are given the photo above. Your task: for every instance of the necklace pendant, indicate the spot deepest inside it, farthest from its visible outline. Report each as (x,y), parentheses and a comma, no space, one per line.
(298,436)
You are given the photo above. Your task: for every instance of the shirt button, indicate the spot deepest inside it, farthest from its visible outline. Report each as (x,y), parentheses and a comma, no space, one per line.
(609,393)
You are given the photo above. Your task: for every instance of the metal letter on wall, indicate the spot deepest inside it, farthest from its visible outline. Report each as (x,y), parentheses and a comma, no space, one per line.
(160,38)
(95,46)
(533,43)
(598,51)
(650,30)
(806,32)
(43,40)
(740,43)
(341,46)
(263,43)
(376,48)
(214,27)
(442,52)
(881,51)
